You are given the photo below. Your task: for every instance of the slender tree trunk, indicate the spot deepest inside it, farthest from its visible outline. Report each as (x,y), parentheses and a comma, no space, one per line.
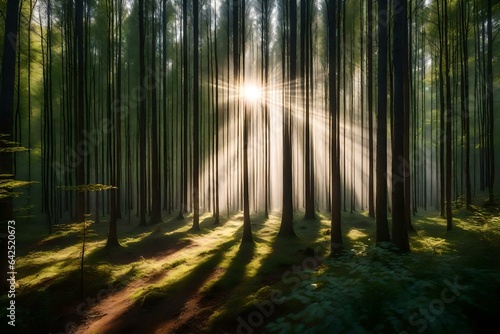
(442,137)
(196,117)
(247,226)
(407,98)
(30,20)
(185,109)
(369,50)
(465,98)
(490,105)
(361,106)
(310,90)
(266,13)
(216,130)
(286,227)
(115,142)
(79,127)
(448,120)
(381,210)
(80,111)
(118,111)
(142,119)
(305,54)
(168,138)
(399,231)
(336,231)
(155,172)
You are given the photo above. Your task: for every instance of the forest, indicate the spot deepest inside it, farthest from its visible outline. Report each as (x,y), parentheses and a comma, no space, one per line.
(249,166)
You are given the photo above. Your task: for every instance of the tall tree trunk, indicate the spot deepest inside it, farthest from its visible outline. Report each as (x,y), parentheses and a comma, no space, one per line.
(305,54)
(442,113)
(399,231)
(168,136)
(381,210)
(29,99)
(185,109)
(80,111)
(196,117)
(266,14)
(448,120)
(80,128)
(113,142)
(118,111)
(336,231)
(369,50)
(155,173)
(406,141)
(464,18)
(361,106)
(286,227)
(142,119)
(490,105)
(247,226)
(216,130)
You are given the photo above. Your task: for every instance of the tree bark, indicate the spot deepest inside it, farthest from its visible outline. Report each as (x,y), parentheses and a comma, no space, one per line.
(155,173)
(448,120)
(465,99)
(196,117)
(185,109)
(490,106)
(80,111)
(142,119)
(306,54)
(286,227)
(381,210)
(369,50)
(399,231)
(336,231)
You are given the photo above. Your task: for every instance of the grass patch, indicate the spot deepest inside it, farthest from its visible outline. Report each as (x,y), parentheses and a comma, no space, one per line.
(366,289)
(372,289)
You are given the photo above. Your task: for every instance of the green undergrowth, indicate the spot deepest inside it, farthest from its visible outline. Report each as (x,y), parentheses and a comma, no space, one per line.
(224,266)
(449,283)
(49,288)
(275,285)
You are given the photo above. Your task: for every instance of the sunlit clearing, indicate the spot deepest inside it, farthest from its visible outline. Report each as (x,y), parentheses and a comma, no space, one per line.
(252,93)
(356,234)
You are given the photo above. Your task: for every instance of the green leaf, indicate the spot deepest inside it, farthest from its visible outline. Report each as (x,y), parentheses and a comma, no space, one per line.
(88,187)
(13,149)
(6,194)
(10,183)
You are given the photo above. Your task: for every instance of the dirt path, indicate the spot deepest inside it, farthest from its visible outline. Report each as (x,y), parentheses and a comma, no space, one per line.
(117,313)
(192,309)
(109,309)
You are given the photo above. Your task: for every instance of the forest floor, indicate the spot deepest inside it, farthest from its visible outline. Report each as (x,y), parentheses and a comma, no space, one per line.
(169,279)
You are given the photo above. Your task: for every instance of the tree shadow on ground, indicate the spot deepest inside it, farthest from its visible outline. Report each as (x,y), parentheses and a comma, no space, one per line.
(46,309)
(234,289)
(161,240)
(235,272)
(165,302)
(152,246)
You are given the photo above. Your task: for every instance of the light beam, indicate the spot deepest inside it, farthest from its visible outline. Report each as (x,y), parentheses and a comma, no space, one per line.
(252,93)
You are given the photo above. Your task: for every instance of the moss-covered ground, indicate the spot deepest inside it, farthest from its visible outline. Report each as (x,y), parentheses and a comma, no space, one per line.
(172,279)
